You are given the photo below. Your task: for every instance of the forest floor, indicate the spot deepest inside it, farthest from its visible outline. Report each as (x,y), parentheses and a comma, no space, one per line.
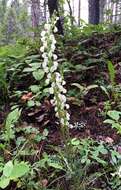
(88,58)
(90,95)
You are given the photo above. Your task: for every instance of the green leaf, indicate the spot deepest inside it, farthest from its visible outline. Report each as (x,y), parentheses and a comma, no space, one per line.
(112,72)
(75,142)
(35,88)
(11,120)
(8,169)
(46,90)
(39,74)
(109,121)
(114,114)
(104,90)
(84,159)
(93,86)
(103,150)
(55,165)
(19,170)
(30,103)
(35,65)
(4,182)
(33,57)
(78,86)
(13,117)
(45,133)
(29,69)
(28,61)
(1,169)
(100,160)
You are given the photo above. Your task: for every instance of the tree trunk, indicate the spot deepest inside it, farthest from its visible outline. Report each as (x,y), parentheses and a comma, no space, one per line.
(102,10)
(3,9)
(79,12)
(70,11)
(53,7)
(94,12)
(35,16)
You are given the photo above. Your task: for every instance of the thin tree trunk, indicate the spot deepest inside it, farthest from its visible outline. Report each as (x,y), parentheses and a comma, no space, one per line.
(94,11)
(73,7)
(116,11)
(102,10)
(45,11)
(35,16)
(79,12)
(70,11)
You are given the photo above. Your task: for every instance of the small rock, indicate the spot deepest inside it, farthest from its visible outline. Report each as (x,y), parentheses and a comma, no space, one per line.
(119,149)
(44,182)
(109,140)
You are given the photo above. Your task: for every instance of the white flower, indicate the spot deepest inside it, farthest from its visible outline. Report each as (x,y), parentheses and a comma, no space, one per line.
(64,83)
(55,29)
(42,49)
(50,66)
(49,76)
(64,91)
(55,63)
(58,79)
(52,102)
(47,81)
(55,57)
(62,105)
(62,121)
(62,98)
(54,41)
(53,84)
(43,39)
(56,109)
(54,67)
(53,47)
(57,18)
(45,44)
(67,123)
(52,37)
(47,27)
(51,90)
(43,33)
(57,115)
(44,64)
(61,88)
(68,116)
(44,55)
(57,74)
(46,69)
(71,126)
(67,106)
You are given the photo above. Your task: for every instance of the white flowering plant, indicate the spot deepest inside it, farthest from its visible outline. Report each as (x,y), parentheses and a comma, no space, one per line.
(54,78)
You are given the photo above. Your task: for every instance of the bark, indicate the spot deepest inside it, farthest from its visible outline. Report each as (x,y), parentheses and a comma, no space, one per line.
(70,11)
(102,10)
(35,16)
(3,9)
(79,12)
(94,12)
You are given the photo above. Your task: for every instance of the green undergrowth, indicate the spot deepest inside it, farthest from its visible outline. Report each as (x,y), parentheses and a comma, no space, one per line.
(13,50)
(29,159)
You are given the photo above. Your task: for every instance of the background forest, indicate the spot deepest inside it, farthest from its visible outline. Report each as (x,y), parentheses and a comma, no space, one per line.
(19,18)
(60,94)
